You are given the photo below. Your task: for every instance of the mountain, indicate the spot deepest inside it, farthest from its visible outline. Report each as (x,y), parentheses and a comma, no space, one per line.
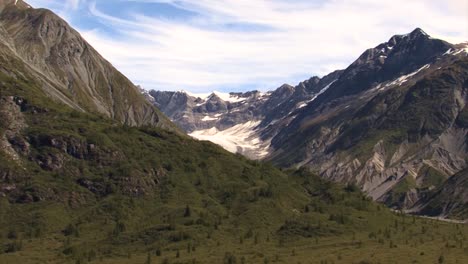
(68,68)
(393,122)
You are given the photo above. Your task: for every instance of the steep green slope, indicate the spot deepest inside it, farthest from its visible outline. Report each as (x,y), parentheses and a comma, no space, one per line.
(78,188)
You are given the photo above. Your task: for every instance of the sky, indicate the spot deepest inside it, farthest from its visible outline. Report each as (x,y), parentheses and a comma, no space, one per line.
(239,45)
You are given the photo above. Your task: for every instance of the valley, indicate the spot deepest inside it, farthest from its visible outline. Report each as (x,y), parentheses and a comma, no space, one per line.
(357,166)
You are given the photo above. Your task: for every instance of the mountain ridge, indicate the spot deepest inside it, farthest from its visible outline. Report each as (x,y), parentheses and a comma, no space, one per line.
(71,70)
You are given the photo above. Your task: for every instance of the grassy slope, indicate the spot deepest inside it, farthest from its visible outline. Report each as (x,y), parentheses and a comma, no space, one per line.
(155,191)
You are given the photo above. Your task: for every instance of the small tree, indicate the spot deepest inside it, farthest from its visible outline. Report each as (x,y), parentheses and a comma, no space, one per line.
(187,212)
(229,258)
(148,258)
(71,230)
(119,228)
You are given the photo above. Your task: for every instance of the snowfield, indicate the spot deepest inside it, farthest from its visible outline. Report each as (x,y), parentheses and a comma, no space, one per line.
(241,138)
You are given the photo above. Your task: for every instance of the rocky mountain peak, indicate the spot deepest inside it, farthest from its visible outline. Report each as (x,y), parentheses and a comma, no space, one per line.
(284,89)
(401,55)
(308,84)
(416,42)
(414,38)
(13,3)
(214,97)
(418,32)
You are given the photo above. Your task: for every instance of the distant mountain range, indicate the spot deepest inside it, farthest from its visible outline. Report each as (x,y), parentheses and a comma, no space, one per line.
(393,122)
(240,122)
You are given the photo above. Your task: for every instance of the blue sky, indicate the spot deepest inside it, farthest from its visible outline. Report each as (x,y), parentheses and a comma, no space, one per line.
(239,45)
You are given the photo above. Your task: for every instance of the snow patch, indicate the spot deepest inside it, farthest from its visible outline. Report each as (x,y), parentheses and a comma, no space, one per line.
(208,118)
(401,80)
(267,94)
(196,95)
(228,97)
(304,104)
(449,51)
(241,138)
(206,96)
(274,122)
(404,36)
(459,51)
(456,51)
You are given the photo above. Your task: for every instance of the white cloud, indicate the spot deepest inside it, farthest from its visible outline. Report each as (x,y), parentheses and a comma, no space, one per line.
(290,40)
(72,4)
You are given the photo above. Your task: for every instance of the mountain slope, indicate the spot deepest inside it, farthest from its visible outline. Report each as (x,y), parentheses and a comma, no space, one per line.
(68,68)
(394,114)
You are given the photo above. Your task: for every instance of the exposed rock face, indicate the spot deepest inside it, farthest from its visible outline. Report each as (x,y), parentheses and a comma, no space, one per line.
(12,123)
(70,70)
